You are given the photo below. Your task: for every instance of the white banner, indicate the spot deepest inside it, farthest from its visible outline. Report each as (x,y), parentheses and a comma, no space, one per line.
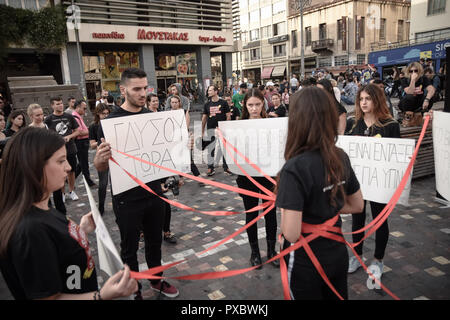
(160,138)
(441,144)
(379,164)
(108,256)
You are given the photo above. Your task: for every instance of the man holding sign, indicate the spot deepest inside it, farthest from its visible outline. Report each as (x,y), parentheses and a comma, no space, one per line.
(136,209)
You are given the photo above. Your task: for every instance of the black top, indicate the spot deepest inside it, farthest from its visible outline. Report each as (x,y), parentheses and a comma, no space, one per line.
(417,98)
(302,187)
(9,132)
(340,108)
(280,111)
(216,111)
(93,131)
(390,129)
(234,112)
(137,193)
(48,254)
(64,125)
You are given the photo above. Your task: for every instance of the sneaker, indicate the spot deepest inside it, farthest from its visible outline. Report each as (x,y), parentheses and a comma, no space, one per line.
(227,172)
(353,264)
(73,196)
(211,172)
(376,268)
(170,237)
(166,289)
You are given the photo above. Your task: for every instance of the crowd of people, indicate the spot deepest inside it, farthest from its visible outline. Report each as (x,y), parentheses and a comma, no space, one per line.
(315,185)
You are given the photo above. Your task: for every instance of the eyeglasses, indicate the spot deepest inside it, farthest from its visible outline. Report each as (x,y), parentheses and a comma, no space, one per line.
(415,70)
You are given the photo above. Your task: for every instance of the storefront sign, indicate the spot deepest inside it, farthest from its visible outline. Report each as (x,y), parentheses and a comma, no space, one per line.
(213,39)
(111,35)
(156,35)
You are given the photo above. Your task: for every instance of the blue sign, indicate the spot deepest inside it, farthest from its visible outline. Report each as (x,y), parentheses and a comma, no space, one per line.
(405,55)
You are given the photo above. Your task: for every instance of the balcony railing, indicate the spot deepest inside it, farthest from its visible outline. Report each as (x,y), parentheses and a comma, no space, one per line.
(322,45)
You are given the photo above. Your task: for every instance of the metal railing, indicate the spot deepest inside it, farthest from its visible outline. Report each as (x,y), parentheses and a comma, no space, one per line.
(380,46)
(322,44)
(190,14)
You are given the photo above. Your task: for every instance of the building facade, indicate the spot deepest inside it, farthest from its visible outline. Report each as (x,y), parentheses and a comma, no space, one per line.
(188,42)
(339,34)
(430,19)
(265,39)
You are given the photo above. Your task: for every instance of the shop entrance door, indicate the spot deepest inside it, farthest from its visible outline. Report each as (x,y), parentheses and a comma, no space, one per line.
(93,89)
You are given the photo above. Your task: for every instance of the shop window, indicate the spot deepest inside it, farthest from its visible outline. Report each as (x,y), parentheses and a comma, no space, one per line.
(341,60)
(361,59)
(324,62)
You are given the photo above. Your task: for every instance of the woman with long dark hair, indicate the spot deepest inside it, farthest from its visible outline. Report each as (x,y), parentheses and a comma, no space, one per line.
(373,119)
(316,183)
(17,121)
(43,255)
(253,108)
(342,112)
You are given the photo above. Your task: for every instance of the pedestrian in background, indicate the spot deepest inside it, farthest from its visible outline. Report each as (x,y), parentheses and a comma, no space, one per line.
(36,115)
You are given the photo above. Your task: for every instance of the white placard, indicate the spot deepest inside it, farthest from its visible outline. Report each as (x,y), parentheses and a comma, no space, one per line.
(157,137)
(109,258)
(379,163)
(441,144)
(261,140)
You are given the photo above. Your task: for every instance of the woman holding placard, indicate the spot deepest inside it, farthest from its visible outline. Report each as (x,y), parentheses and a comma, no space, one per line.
(43,255)
(253,108)
(315,184)
(372,119)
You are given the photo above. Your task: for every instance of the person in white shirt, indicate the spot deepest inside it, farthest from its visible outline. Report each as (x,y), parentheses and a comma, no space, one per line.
(294,83)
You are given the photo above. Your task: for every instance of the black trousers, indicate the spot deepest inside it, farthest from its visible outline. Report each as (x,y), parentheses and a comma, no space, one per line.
(381,235)
(103,177)
(251,202)
(306,283)
(167,216)
(83,159)
(134,216)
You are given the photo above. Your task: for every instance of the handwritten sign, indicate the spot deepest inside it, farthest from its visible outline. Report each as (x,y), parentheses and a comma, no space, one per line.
(379,163)
(109,258)
(261,140)
(160,138)
(441,144)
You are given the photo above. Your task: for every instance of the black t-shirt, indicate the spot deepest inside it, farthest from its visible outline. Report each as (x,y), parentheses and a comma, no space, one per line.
(137,193)
(93,131)
(234,112)
(303,187)
(340,108)
(216,111)
(48,254)
(280,111)
(417,98)
(9,132)
(390,129)
(64,125)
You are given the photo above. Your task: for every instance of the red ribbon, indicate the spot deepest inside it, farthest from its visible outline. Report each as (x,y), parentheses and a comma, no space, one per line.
(322,230)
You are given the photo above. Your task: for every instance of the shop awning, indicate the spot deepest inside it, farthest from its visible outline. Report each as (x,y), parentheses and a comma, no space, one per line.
(278,71)
(266,73)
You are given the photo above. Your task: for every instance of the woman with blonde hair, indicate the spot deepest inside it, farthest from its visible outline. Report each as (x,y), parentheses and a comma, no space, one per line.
(36,115)
(373,119)
(414,84)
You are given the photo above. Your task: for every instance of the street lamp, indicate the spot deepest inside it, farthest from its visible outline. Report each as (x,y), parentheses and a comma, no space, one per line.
(76,14)
(300,5)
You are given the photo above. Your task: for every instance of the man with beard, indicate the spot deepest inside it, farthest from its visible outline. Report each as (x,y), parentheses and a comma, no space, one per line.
(136,209)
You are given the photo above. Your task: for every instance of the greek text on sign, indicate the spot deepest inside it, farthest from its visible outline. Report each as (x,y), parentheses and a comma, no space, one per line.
(379,163)
(160,138)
